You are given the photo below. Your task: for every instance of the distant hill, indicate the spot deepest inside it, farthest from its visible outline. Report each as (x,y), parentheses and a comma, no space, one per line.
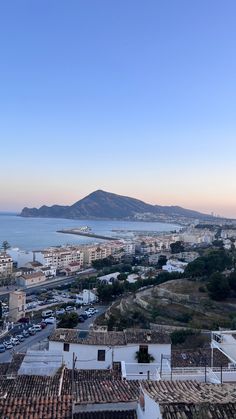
(106,205)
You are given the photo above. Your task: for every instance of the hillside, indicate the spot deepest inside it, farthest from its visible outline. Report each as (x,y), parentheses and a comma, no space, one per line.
(106,205)
(177,303)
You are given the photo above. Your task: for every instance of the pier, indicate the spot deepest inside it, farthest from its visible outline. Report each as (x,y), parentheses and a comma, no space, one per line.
(86,234)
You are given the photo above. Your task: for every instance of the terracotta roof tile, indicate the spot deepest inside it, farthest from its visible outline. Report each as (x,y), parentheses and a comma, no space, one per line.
(189,392)
(98,391)
(110,338)
(199,411)
(36,408)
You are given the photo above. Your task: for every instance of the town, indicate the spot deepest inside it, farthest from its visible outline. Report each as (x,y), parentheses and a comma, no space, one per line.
(117,329)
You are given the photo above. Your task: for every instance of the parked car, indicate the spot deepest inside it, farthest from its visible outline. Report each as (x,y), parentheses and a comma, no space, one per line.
(47,313)
(50,320)
(8,345)
(31,331)
(89,313)
(60,311)
(15,341)
(2,348)
(70,308)
(25,333)
(84,315)
(37,327)
(43,325)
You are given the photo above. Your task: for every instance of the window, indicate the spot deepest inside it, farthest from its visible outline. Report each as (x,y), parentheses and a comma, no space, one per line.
(101,355)
(66,347)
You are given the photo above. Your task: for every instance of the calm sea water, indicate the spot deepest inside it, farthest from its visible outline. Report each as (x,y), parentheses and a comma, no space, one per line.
(38,233)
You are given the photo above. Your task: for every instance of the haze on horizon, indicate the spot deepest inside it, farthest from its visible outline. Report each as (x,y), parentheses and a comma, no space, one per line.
(136,98)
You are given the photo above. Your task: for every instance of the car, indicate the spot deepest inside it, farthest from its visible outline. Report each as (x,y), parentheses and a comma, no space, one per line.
(70,308)
(81,319)
(89,313)
(50,320)
(15,341)
(8,345)
(25,333)
(31,331)
(20,338)
(37,327)
(24,320)
(43,325)
(2,348)
(84,315)
(60,311)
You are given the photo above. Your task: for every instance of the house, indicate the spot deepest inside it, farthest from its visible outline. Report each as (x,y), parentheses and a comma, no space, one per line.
(186,399)
(86,297)
(99,349)
(71,268)
(132,278)
(33,278)
(173,265)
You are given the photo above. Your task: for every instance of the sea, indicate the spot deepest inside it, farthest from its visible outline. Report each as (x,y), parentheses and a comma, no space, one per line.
(39,233)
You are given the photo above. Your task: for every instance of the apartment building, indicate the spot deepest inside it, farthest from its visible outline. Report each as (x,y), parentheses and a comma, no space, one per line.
(60,257)
(6,264)
(92,253)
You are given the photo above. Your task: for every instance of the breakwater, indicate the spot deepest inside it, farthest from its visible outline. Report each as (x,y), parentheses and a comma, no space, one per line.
(86,234)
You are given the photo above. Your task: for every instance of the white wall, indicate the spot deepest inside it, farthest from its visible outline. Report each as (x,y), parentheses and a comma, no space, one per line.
(151,410)
(87,354)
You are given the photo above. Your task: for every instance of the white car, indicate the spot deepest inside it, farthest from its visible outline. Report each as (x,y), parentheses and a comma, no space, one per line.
(37,327)
(15,341)
(60,311)
(50,320)
(8,345)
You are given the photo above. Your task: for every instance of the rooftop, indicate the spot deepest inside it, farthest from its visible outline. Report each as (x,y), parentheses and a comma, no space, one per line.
(189,392)
(104,391)
(199,411)
(36,407)
(125,337)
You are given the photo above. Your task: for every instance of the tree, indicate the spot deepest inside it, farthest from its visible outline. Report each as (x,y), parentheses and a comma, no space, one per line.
(5,246)
(232,281)
(218,286)
(122,277)
(144,357)
(177,247)
(69,320)
(161,261)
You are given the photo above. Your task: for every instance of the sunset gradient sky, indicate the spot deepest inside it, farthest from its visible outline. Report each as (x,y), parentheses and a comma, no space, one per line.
(134,97)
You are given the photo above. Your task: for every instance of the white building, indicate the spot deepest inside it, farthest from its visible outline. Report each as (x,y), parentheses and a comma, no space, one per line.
(173,265)
(6,264)
(33,278)
(99,349)
(188,399)
(60,257)
(86,297)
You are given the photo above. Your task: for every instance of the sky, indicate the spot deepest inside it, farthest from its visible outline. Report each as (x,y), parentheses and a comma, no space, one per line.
(130,96)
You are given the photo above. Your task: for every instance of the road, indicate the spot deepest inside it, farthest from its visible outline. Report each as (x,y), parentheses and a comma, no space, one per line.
(50,284)
(43,334)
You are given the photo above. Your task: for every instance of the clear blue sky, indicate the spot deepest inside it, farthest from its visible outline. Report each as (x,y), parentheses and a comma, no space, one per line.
(133,97)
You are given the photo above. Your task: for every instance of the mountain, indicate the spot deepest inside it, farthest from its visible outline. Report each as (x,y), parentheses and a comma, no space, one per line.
(106,205)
